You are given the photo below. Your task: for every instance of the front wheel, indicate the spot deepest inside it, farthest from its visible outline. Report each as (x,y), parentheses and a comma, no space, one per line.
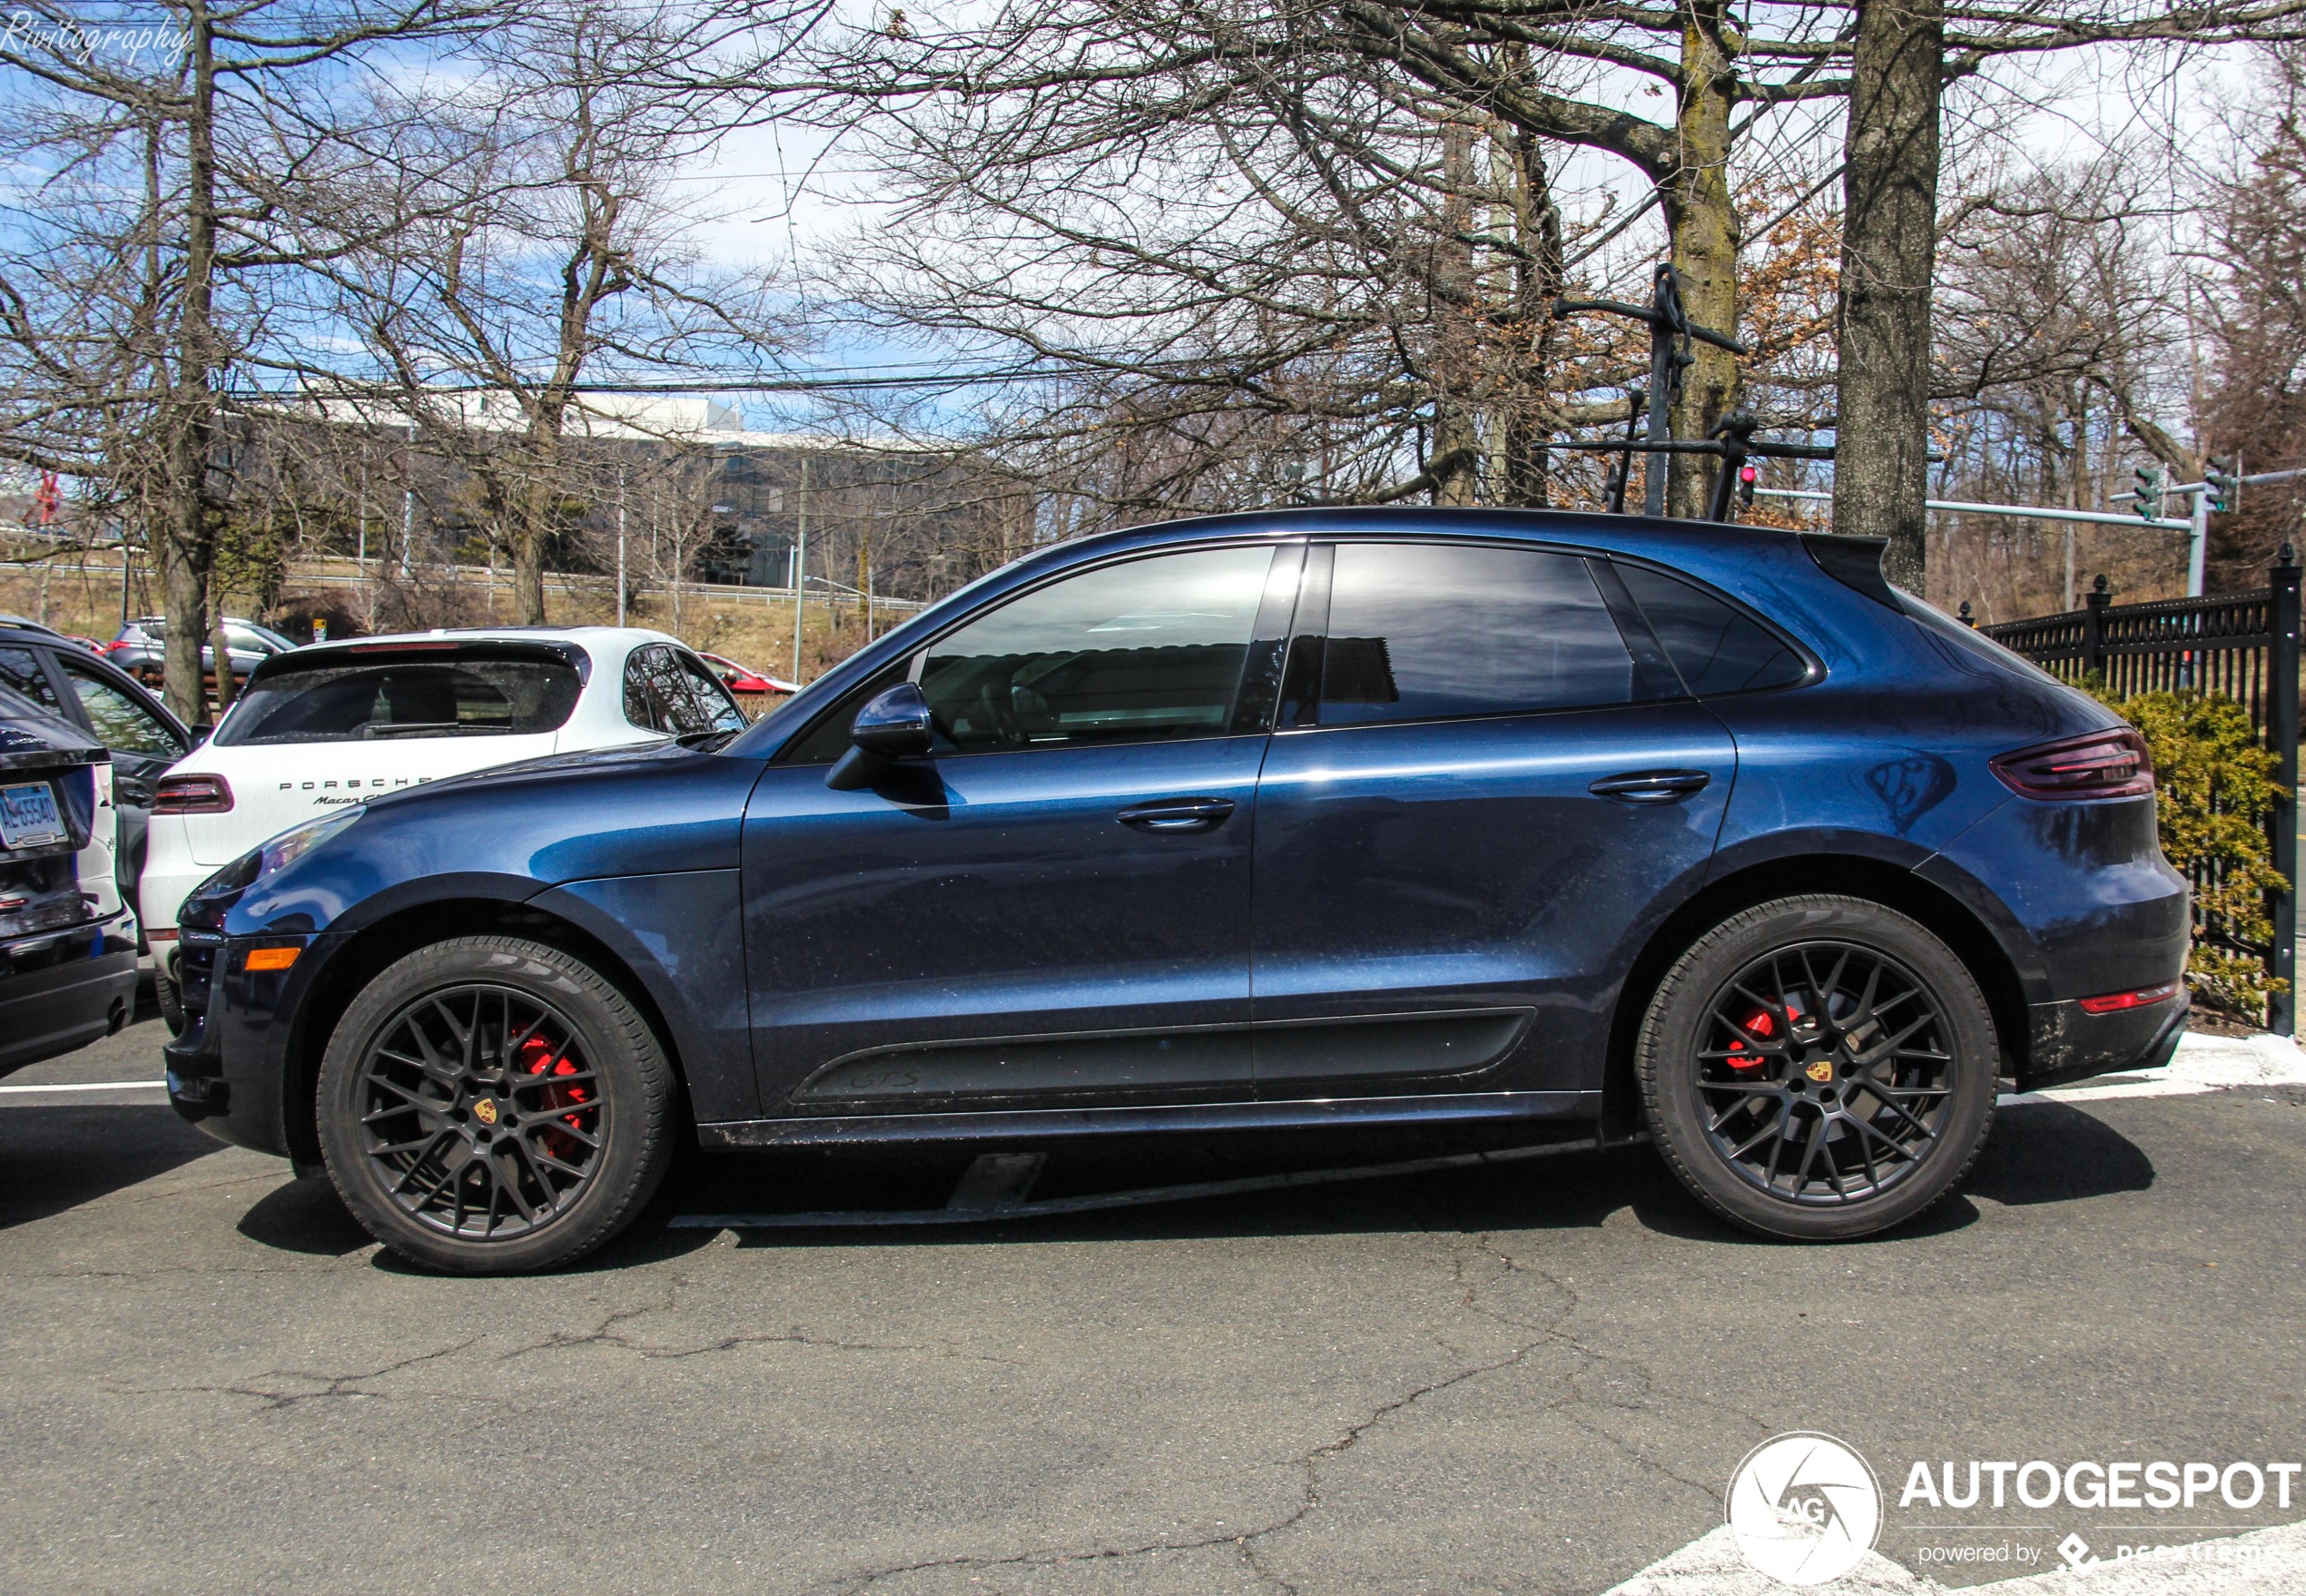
(1819,1067)
(492,1105)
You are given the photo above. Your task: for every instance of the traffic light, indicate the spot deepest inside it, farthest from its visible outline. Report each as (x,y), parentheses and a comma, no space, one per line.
(2149,491)
(2223,475)
(1747,476)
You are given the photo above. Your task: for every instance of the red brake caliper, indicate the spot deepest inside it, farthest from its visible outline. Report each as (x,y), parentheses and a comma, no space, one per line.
(1762,1025)
(536,1057)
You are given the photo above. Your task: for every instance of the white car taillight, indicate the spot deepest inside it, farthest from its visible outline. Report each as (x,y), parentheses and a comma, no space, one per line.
(192,795)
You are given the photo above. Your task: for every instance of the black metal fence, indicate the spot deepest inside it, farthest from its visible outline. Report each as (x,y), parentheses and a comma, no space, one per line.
(2242,646)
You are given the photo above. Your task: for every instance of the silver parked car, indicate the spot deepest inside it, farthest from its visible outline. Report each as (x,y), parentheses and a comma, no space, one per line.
(141,644)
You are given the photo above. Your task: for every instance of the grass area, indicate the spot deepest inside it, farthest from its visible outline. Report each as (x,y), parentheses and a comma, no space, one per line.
(754,631)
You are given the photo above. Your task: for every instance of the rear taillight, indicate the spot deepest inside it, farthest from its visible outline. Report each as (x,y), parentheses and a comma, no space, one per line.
(192,795)
(2098,765)
(115,645)
(2114,1002)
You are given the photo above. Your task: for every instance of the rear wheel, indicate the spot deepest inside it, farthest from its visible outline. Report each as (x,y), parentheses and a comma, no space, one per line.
(1819,1067)
(492,1105)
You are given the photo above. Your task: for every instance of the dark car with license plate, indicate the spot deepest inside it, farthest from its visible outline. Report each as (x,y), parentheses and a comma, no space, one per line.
(87,691)
(1596,827)
(67,944)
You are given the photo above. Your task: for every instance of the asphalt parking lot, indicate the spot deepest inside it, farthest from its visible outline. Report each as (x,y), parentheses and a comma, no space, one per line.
(1535,1378)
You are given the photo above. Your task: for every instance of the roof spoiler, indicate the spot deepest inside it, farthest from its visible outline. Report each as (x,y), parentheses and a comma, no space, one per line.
(1854,562)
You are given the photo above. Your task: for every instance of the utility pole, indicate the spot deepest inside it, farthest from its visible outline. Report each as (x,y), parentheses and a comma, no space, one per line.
(801,570)
(361,559)
(2198,547)
(408,502)
(620,545)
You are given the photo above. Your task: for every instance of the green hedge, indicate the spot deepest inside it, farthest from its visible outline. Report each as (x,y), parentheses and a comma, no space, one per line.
(2214,790)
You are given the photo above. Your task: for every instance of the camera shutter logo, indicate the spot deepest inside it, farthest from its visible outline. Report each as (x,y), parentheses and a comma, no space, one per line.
(1804,1508)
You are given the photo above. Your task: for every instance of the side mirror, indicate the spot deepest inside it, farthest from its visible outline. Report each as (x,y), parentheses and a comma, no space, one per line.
(892,725)
(202,731)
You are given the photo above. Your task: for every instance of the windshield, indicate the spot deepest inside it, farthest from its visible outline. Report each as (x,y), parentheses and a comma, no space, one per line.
(402,699)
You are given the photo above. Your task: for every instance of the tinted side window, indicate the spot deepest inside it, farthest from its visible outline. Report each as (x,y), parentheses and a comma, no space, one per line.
(1716,649)
(640,704)
(1132,653)
(1428,631)
(20,669)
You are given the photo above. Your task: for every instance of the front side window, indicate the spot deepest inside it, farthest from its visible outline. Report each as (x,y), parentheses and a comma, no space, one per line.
(665,691)
(402,699)
(715,706)
(122,724)
(1438,631)
(1147,651)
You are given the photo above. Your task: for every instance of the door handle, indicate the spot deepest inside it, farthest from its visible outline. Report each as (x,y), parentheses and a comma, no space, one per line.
(1652,786)
(1178,815)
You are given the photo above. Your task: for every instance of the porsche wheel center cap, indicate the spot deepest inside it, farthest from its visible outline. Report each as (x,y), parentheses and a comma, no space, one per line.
(1822,1071)
(484,1111)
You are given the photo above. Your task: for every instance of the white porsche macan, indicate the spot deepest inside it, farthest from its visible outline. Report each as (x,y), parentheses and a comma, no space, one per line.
(338,724)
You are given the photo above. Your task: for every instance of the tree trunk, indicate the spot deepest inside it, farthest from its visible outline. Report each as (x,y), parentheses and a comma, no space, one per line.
(1456,461)
(1531,416)
(1890,244)
(1704,242)
(188,537)
(528,558)
(538,503)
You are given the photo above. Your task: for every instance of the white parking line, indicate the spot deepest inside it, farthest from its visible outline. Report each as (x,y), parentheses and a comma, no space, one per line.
(92,1085)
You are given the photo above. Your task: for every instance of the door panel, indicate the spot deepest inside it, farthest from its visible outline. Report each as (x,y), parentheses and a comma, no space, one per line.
(1000,897)
(1414,868)
(1482,796)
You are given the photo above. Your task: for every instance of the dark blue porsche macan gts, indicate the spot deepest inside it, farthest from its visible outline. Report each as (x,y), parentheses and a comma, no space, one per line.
(1296,819)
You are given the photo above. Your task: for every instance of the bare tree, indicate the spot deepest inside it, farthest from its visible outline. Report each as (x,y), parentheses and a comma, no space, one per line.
(204,118)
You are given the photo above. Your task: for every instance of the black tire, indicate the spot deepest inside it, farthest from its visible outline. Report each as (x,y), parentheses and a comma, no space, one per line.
(1808,1025)
(500,1068)
(169,996)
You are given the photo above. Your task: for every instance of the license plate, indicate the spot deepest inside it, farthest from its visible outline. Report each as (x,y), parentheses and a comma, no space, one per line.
(28,816)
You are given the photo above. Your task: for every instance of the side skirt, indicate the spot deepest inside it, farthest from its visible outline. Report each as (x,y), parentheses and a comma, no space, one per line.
(1037,1123)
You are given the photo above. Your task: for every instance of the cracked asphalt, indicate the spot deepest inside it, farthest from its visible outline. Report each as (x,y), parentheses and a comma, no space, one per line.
(1529,1378)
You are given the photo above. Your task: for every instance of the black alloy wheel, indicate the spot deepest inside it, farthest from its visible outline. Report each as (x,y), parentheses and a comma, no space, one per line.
(1820,1068)
(482,1115)
(492,1105)
(1826,1076)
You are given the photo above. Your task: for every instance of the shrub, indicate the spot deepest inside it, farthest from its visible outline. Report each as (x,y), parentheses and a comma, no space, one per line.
(2214,790)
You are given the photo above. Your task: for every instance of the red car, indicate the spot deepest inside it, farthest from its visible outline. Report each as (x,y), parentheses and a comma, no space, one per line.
(757,691)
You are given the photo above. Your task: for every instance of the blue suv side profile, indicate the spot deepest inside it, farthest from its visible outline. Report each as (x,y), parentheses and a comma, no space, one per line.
(1666,829)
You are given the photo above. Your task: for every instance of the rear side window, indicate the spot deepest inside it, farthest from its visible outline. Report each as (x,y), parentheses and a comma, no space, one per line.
(1435,631)
(1716,649)
(402,699)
